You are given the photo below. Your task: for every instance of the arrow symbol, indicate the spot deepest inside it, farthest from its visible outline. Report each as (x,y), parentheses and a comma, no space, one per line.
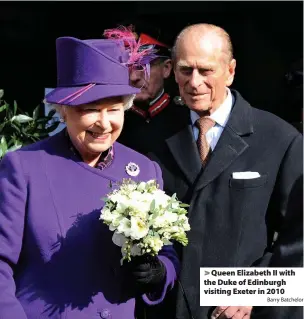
(207,272)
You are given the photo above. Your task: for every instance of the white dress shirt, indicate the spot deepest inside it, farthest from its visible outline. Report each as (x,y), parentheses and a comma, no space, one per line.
(220,116)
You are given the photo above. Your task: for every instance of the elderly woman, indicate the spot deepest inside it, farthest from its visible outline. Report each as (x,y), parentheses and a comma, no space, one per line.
(57,260)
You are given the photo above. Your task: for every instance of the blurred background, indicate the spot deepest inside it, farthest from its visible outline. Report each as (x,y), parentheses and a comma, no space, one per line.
(267,39)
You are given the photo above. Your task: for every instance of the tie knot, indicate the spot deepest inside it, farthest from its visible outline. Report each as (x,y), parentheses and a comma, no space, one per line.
(204,124)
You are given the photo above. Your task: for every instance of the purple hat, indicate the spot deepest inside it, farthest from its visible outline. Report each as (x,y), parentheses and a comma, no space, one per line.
(89,70)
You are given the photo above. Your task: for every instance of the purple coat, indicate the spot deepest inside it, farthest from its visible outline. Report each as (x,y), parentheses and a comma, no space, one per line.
(57,260)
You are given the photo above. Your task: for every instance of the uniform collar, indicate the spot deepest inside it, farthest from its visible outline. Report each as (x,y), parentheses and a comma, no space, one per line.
(156,106)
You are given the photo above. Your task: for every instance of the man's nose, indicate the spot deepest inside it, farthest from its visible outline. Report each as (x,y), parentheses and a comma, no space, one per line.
(135,76)
(196,79)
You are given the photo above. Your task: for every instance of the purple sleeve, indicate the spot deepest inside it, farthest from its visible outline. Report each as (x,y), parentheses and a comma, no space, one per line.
(12,212)
(167,256)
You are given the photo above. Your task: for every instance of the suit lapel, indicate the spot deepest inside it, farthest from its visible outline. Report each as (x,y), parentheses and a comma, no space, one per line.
(231,144)
(229,148)
(183,147)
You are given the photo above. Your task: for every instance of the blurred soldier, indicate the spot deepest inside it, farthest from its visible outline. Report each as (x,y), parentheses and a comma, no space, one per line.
(154,116)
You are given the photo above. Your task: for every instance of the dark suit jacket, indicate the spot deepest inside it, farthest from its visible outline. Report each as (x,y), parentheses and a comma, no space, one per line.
(233,222)
(287,252)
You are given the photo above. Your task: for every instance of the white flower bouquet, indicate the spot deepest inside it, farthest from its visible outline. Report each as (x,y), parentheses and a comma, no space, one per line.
(144,218)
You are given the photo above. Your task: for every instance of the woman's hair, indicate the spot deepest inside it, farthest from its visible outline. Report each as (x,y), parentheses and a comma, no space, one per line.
(127,103)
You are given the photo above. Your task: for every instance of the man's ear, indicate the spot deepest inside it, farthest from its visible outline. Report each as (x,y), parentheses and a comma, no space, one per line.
(167,68)
(231,72)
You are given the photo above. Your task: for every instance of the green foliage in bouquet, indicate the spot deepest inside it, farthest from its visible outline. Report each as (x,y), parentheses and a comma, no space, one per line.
(144,218)
(18,128)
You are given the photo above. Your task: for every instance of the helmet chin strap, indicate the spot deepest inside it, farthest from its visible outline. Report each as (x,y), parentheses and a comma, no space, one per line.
(158,96)
(147,71)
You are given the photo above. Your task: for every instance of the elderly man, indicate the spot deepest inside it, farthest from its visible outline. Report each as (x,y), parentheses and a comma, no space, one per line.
(234,164)
(154,116)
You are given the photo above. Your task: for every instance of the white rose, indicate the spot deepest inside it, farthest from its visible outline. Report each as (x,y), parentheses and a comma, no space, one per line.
(136,196)
(171,217)
(124,227)
(161,199)
(147,197)
(138,228)
(116,197)
(121,207)
(106,215)
(118,218)
(140,209)
(158,222)
(121,200)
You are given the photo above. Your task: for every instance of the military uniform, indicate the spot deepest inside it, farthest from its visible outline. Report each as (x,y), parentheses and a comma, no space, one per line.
(144,129)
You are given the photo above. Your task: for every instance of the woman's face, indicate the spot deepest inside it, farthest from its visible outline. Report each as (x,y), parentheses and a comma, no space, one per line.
(94,127)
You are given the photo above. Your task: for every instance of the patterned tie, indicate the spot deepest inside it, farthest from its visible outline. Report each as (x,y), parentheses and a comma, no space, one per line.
(204,124)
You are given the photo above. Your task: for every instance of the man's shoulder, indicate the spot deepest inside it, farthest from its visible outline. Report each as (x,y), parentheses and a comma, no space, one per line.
(272,123)
(263,121)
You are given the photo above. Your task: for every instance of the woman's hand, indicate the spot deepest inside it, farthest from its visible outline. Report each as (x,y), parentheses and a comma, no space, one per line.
(148,273)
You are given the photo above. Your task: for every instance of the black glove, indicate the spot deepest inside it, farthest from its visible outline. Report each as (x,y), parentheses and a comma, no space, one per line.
(148,273)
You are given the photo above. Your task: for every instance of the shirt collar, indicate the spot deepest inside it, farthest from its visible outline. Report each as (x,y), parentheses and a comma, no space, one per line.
(221,115)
